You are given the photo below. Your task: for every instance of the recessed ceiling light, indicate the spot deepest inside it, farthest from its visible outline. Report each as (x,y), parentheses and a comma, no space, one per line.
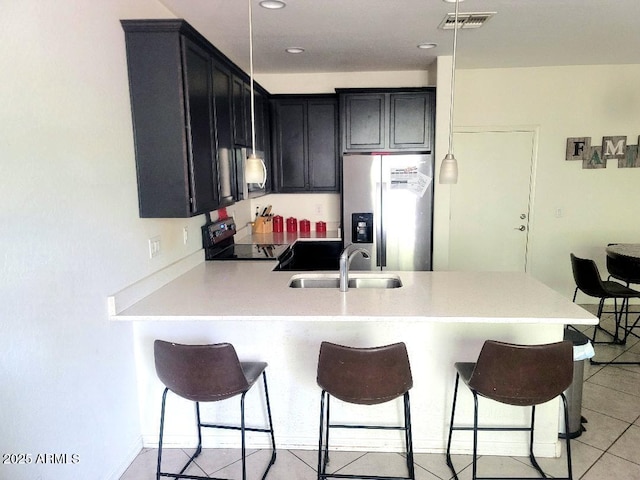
(426,46)
(294,50)
(272,4)
(452,1)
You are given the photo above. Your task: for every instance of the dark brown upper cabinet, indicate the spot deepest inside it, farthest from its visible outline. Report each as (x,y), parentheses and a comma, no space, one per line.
(173,119)
(387,120)
(306,143)
(190,107)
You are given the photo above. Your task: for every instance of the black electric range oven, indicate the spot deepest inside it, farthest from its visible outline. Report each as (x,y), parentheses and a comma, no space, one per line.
(218,244)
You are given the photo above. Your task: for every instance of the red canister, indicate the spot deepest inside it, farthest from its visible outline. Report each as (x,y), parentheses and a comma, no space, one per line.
(292,225)
(305,226)
(278,224)
(321,227)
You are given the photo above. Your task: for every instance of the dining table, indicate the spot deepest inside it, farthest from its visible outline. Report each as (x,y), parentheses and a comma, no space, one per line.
(623,262)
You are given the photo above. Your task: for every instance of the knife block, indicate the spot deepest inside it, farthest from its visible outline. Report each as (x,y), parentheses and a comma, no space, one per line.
(263,225)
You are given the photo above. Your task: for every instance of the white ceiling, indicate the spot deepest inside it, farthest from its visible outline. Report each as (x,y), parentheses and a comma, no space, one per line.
(373,35)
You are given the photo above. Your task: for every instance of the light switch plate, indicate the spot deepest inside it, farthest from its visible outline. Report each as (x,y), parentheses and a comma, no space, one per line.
(154,246)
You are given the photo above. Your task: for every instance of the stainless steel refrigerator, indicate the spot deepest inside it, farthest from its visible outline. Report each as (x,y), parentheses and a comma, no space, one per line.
(387,208)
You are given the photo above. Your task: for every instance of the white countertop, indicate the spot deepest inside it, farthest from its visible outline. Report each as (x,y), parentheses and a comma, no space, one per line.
(251,291)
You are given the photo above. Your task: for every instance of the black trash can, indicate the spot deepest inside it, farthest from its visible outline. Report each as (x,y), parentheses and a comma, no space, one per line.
(574,392)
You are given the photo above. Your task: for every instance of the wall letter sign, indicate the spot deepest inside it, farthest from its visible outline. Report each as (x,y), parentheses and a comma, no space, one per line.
(580,148)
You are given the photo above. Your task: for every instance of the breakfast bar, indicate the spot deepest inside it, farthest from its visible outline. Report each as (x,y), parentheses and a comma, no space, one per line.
(442,317)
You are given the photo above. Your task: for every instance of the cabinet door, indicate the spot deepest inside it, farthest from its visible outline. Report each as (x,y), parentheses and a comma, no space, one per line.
(410,126)
(364,122)
(263,141)
(200,128)
(323,145)
(239,112)
(291,146)
(222,97)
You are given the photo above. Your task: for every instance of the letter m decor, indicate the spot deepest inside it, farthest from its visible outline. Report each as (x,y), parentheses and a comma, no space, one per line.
(614,147)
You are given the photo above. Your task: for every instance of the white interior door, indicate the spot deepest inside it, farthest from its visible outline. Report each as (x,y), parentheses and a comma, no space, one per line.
(489,223)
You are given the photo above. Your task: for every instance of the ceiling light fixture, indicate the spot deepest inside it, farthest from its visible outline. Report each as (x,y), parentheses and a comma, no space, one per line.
(255,169)
(272,4)
(449,165)
(295,50)
(427,46)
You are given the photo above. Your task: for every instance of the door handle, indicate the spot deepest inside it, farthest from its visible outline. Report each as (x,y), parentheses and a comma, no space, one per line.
(522,228)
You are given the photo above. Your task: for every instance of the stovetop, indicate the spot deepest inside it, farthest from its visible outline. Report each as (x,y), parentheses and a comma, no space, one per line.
(247,252)
(218,243)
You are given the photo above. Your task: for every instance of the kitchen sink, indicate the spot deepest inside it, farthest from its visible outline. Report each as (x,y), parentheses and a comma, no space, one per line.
(356,280)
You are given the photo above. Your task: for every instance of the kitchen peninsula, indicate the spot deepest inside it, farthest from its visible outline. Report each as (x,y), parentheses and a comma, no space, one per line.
(443,317)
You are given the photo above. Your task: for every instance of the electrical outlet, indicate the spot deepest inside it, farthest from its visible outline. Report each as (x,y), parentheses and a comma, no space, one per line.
(185,235)
(154,247)
(318,209)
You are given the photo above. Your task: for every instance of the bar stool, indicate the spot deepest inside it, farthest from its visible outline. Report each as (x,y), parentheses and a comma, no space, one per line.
(521,375)
(208,373)
(363,376)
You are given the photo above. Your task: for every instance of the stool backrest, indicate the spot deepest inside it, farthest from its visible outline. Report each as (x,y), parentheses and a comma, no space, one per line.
(587,277)
(202,373)
(523,374)
(365,376)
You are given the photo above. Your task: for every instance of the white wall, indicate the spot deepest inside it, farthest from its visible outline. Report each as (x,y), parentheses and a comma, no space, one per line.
(328,82)
(597,206)
(70,236)
(314,207)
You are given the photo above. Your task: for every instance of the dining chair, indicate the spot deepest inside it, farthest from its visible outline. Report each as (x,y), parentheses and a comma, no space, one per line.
(589,282)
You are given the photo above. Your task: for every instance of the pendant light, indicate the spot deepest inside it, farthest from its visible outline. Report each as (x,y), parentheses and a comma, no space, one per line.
(449,165)
(255,169)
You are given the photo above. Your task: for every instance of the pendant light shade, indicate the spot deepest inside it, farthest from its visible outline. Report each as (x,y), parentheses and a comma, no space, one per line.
(449,165)
(449,169)
(255,169)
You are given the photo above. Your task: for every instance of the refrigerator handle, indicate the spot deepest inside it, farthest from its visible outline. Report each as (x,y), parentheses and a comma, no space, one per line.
(381,237)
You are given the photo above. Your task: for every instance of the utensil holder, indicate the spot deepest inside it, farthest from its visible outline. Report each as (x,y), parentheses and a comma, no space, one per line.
(263,225)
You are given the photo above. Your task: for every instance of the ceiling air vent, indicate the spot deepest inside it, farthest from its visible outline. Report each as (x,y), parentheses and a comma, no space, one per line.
(465,20)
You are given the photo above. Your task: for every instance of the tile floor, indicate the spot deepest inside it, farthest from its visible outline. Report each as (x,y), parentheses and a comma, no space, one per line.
(608,448)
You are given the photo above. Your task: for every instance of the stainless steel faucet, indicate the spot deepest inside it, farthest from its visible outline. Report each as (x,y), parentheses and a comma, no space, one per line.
(345,262)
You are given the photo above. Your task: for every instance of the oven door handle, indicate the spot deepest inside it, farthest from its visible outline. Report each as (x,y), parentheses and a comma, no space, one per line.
(286,260)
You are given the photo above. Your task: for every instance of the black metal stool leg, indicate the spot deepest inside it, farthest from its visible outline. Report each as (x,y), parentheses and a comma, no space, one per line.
(164,400)
(197,452)
(453,413)
(321,457)
(532,457)
(408,436)
(273,438)
(242,440)
(474,468)
(568,437)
